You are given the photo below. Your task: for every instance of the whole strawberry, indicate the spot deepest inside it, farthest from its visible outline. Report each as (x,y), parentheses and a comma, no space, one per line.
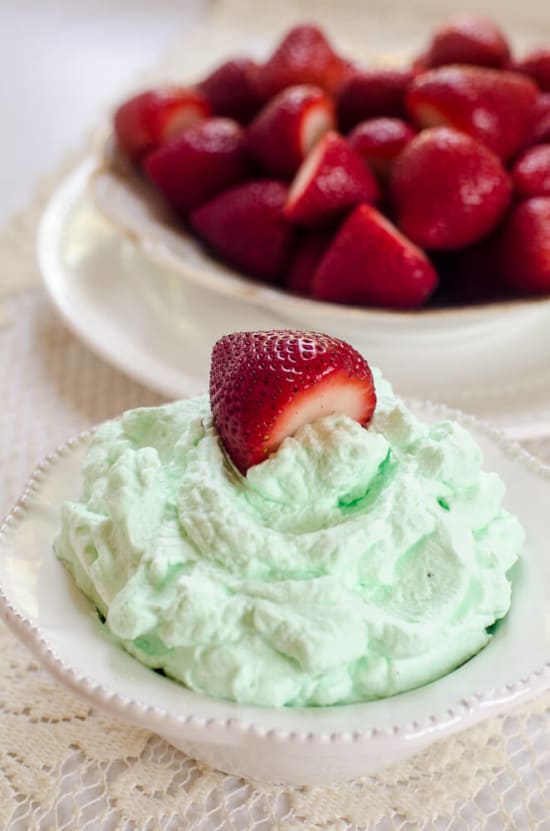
(448,190)
(208,158)
(468,39)
(152,118)
(379,141)
(370,93)
(492,106)
(231,89)
(304,56)
(265,385)
(524,247)
(531,173)
(540,125)
(537,66)
(245,226)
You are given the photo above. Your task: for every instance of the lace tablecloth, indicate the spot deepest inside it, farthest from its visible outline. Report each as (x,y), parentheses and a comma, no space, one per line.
(66,766)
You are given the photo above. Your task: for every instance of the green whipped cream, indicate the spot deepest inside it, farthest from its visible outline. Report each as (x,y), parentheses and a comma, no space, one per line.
(352,564)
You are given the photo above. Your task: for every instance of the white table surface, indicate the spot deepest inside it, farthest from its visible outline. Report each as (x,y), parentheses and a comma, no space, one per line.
(61,64)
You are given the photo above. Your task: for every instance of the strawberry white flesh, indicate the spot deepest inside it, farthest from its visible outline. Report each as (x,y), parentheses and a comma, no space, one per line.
(264,386)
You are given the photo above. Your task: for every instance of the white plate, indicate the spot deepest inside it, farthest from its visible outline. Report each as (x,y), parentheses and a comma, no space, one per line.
(298,746)
(160,329)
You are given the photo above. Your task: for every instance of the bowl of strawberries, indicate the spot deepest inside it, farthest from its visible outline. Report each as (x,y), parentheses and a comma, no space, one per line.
(411,199)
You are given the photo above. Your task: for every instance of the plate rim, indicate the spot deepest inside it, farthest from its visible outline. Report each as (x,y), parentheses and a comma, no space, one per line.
(49,234)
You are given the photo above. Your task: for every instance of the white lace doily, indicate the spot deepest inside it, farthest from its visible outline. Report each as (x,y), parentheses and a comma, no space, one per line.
(65,766)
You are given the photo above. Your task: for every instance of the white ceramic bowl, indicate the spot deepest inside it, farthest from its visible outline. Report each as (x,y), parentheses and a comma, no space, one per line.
(139,212)
(299,746)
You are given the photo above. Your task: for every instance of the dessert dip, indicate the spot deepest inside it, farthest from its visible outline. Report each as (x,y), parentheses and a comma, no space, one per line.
(297,538)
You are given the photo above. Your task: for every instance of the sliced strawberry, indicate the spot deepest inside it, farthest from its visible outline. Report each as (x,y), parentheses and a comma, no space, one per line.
(537,65)
(304,56)
(540,125)
(246,227)
(491,106)
(231,89)
(372,93)
(264,386)
(332,178)
(148,120)
(379,141)
(524,247)
(448,189)
(284,132)
(468,39)
(531,173)
(300,273)
(208,158)
(371,263)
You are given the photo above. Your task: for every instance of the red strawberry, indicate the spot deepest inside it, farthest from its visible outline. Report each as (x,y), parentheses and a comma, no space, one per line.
(379,141)
(246,227)
(371,263)
(537,66)
(332,178)
(264,386)
(448,189)
(540,125)
(283,133)
(468,39)
(206,159)
(231,89)
(304,56)
(531,173)
(299,277)
(525,247)
(371,93)
(148,120)
(494,107)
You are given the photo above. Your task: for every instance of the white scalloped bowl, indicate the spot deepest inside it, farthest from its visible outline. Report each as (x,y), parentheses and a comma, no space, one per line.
(298,746)
(140,214)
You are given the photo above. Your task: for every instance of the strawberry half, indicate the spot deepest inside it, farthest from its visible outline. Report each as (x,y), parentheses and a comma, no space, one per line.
(379,141)
(531,173)
(524,247)
(332,178)
(468,39)
(148,120)
(264,386)
(371,263)
(491,106)
(231,89)
(537,65)
(371,93)
(448,190)
(284,132)
(246,227)
(304,56)
(301,271)
(208,158)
